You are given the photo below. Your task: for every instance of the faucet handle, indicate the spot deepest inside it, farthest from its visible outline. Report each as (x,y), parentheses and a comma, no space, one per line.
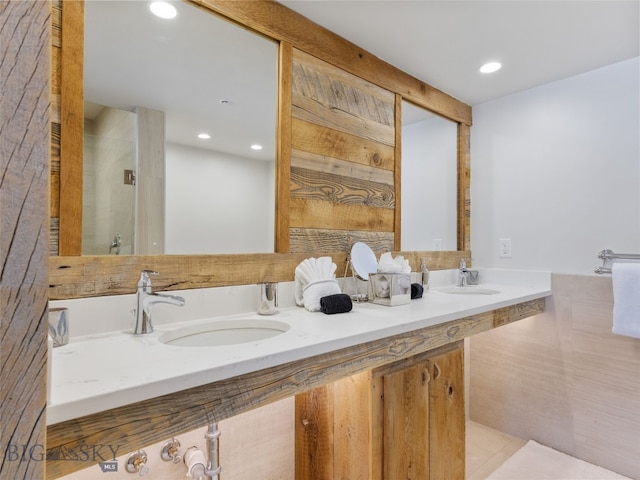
(169,451)
(137,463)
(145,281)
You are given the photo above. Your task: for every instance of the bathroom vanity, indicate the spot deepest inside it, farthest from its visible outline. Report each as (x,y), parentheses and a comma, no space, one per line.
(377,390)
(383,385)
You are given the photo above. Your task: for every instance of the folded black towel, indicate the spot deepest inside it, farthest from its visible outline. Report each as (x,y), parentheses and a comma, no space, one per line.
(416,290)
(337,303)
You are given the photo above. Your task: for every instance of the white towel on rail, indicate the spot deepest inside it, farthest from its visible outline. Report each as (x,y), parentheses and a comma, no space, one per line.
(626,299)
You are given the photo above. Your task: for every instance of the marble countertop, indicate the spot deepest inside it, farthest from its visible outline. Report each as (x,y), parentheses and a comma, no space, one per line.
(101,371)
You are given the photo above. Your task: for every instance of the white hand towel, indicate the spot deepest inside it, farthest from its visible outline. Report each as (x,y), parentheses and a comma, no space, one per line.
(316,290)
(626,299)
(314,279)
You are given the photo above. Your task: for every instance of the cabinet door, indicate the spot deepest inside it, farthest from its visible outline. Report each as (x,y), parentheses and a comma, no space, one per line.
(406,424)
(447,416)
(402,421)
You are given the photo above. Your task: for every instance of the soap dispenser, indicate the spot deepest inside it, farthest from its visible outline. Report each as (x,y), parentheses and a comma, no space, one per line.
(425,273)
(268,298)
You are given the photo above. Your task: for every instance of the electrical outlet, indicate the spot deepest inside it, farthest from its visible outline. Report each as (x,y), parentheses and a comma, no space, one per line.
(504,248)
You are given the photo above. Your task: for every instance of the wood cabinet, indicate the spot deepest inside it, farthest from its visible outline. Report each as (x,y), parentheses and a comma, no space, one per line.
(405,420)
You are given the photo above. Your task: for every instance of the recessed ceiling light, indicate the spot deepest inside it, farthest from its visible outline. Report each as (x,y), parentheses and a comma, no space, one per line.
(163,10)
(204,136)
(255,146)
(490,67)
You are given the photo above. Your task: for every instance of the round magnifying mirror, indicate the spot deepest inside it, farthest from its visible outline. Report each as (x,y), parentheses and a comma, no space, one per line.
(363,260)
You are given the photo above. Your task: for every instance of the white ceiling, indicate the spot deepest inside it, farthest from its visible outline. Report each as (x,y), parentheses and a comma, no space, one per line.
(443,42)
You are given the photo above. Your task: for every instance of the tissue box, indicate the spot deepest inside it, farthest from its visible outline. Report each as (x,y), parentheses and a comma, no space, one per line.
(390,289)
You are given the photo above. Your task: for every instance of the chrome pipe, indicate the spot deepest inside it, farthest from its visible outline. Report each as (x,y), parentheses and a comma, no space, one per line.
(213,460)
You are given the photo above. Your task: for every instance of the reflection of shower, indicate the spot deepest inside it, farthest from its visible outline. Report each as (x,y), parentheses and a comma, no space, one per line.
(108,203)
(117,243)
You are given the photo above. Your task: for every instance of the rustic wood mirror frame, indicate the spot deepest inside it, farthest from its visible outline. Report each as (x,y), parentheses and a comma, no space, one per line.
(75,276)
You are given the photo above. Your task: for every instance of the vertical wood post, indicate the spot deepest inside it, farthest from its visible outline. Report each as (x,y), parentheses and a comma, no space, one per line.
(24,226)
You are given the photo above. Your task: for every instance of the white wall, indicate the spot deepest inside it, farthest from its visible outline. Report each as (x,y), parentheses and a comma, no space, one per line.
(217,203)
(556,169)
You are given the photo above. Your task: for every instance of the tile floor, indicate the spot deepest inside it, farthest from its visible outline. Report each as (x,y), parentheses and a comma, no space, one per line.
(487,449)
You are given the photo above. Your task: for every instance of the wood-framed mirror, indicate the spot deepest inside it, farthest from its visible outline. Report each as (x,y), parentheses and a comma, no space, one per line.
(290,30)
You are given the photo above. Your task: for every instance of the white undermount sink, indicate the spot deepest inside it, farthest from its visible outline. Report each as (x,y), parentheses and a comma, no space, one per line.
(470,290)
(223,332)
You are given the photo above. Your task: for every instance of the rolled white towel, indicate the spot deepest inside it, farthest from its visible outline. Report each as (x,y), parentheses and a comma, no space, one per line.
(316,290)
(311,271)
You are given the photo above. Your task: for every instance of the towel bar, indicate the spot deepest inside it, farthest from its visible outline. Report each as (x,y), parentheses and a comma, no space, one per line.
(608,255)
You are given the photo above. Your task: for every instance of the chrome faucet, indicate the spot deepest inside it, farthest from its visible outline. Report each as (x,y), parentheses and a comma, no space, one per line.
(146,298)
(463,274)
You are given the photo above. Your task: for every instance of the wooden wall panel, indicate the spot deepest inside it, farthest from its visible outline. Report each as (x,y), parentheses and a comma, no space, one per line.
(313,239)
(314,184)
(309,213)
(25,76)
(334,144)
(325,85)
(343,159)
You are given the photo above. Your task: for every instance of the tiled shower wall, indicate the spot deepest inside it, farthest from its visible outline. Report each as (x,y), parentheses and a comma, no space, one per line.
(563,378)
